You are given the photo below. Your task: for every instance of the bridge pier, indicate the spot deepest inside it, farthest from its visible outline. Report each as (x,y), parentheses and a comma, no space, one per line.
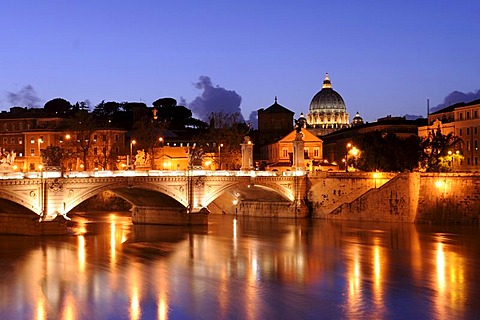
(29,224)
(168,216)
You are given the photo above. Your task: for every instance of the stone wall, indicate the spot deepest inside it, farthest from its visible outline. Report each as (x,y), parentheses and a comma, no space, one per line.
(449,198)
(394,201)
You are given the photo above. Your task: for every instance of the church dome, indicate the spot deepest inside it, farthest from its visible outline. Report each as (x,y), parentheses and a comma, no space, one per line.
(357,120)
(327,100)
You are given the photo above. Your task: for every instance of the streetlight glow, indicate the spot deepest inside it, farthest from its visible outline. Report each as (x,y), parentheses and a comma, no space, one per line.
(131,149)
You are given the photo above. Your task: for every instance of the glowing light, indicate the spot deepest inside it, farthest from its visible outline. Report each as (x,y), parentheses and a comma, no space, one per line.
(135,305)
(81,253)
(439,184)
(112,241)
(440,266)
(162,308)
(41,312)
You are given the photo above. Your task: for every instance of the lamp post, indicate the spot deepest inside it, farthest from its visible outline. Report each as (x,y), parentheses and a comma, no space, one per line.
(131,150)
(161,142)
(347,149)
(39,141)
(220,156)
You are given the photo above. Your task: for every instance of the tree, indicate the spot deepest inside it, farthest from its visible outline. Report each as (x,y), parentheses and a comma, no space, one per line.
(435,151)
(226,133)
(80,128)
(147,132)
(387,152)
(57,106)
(52,156)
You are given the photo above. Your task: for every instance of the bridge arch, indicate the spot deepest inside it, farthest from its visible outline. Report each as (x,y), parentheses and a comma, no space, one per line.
(137,194)
(283,192)
(26,194)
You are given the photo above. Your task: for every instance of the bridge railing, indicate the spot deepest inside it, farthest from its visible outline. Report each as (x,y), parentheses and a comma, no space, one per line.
(146,173)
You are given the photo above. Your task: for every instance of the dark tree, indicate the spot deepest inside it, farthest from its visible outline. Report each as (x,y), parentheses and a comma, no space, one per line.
(147,133)
(52,156)
(80,128)
(225,137)
(435,150)
(387,152)
(58,106)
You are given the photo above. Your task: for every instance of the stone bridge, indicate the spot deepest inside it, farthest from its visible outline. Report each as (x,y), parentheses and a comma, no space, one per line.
(156,197)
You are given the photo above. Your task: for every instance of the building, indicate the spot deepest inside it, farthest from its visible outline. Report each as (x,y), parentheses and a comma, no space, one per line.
(327,112)
(280,153)
(24,133)
(463,120)
(274,123)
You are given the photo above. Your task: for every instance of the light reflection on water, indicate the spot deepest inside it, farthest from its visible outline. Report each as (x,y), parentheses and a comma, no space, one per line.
(243,269)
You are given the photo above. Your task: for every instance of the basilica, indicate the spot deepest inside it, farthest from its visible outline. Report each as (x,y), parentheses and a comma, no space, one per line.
(327,112)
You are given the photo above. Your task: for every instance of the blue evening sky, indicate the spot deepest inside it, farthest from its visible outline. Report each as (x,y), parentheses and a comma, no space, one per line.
(383,57)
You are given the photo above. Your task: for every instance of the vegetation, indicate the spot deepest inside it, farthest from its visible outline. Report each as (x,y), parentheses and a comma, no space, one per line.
(387,152)
(438,151)
(226,133)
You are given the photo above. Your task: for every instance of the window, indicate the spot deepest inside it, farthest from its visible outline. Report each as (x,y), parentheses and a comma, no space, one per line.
(468,161)
(104,150)
(20,140)
(5,141)
(460,132)
(104,137)
(475,114)
(284,152)
(475,130)
(475,144)
(468,115)
(20,126)
(95,137)
(460,116)
(32,141)
(116,138)
(32,152)
(316,152)
(117,150)
(468,145)
(468,131)
(476,161)
(95,151)
(12,141)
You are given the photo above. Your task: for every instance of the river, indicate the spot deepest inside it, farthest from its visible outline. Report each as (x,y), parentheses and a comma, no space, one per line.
(245,268)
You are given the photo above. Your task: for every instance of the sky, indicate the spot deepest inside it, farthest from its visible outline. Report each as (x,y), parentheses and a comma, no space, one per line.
(383,57)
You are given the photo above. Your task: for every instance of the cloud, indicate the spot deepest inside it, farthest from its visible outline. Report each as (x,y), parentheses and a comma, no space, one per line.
(214,99)
(253,120)
(456,97)
(26,97)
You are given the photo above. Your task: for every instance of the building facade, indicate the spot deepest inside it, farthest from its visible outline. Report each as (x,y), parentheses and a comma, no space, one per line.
(463,120)
(280,153)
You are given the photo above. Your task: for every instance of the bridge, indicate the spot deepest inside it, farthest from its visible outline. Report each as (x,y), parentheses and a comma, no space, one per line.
(157,197)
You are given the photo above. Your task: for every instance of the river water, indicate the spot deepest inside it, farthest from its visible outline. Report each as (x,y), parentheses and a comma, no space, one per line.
(242,268)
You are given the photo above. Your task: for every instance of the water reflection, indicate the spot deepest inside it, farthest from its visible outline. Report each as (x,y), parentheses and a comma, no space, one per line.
(241,268)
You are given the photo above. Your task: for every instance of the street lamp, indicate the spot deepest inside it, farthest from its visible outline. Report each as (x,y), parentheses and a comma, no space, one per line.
(131,149)
(347,149)
(220,156)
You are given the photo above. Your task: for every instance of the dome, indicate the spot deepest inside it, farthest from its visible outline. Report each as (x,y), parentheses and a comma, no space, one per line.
(357,120)
(327,100)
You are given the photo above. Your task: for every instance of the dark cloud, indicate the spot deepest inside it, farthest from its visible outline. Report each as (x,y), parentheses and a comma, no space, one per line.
(456,97)
(253,120)
(26,97)
(214,99)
